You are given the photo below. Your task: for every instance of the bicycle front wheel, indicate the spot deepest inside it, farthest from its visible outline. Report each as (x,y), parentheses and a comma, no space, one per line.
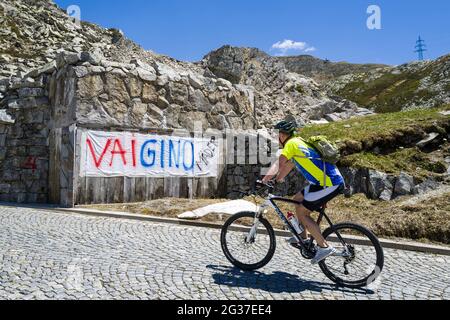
(359,259)
(247,245)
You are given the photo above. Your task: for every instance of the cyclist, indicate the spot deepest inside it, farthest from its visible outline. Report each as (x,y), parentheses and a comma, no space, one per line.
(323,186)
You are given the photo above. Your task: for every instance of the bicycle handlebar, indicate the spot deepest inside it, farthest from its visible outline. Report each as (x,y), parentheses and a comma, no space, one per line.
(269,185)
(262,187)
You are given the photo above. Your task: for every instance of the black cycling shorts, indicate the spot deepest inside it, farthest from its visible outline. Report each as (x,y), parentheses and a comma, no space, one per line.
(315,197)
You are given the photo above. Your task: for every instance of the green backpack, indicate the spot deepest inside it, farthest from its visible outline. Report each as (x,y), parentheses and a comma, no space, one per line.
(328,150)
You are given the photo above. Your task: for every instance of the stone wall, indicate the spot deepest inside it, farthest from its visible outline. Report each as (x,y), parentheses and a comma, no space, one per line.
(243,178)
(24,140)
(151,98)
(139,95)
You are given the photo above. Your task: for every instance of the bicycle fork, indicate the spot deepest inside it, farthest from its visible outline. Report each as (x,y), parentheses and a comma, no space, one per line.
(252,233)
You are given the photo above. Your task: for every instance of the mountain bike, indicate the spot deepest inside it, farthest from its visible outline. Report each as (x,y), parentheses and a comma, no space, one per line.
(248,242)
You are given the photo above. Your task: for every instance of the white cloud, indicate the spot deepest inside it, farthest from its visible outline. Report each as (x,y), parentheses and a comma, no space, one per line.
(285,46)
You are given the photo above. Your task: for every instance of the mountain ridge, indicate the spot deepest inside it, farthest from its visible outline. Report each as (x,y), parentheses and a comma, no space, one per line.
(35,33)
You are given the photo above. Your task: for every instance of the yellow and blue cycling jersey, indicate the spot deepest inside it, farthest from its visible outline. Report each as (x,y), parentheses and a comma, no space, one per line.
(308,162)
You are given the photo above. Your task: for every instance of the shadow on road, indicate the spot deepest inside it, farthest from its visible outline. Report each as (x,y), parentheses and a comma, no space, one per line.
(276,282)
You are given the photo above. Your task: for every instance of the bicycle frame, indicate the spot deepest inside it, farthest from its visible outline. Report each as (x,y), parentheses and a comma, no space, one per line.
(271,202)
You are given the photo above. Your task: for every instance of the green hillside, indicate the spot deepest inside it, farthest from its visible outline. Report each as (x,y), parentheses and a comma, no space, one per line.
(386,142)
(419,84)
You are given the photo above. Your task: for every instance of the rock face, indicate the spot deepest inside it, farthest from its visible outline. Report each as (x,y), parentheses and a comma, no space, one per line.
(279,92)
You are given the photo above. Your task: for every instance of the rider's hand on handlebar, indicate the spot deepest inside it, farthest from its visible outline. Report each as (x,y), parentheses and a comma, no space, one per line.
(269,183)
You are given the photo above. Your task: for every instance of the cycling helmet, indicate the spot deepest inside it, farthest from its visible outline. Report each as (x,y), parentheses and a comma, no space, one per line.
(288,127)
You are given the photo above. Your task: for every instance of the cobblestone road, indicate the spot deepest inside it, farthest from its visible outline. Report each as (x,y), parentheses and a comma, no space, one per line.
(47,255)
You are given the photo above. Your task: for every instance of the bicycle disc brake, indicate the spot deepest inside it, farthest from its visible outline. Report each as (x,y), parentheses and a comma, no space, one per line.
(349,259)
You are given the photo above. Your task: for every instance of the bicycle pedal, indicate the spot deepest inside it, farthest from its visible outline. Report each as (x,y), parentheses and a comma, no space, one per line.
(296,246)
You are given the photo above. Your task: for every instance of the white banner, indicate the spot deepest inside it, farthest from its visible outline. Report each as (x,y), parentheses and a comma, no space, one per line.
(117,154)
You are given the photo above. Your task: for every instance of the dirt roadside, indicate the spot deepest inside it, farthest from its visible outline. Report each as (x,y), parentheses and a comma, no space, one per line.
(424,218)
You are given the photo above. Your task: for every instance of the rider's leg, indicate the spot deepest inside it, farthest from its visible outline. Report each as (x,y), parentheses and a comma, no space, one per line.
(304,215)
(299,198)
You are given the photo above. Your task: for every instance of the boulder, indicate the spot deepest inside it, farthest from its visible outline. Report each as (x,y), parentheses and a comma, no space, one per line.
(333,117)
(146,74)
(430,138)
(426,186)
(5,118)
(404,184)
(321,121)
(199,101)
(149,93)
(92,58)
(155,112)
(30,102)
(386,195)
(81,71)
(134,87)
(379,185)
(167,74)
(178,93)
(196,82)
(116,88)
(48,68)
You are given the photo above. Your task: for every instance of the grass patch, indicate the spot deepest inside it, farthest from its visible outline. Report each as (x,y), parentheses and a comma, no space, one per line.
(379,125)
(410,160)
(393,134)
(299,88)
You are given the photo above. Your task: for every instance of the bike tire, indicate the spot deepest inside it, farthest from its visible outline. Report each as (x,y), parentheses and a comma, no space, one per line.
(233,260)
(364,282)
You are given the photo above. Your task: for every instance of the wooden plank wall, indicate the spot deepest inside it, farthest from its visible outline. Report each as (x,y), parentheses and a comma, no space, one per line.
(89,190)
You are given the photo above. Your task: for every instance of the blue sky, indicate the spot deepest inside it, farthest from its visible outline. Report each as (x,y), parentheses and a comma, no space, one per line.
(336,30)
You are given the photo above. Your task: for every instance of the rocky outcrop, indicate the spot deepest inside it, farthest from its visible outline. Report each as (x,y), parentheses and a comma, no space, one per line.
(381,186)
(278,92)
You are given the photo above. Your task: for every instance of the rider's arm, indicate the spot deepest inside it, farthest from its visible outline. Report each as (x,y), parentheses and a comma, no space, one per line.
(281,169)
(272,172)
(286,167)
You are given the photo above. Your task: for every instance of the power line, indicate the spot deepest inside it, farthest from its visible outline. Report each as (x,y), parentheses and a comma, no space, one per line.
(420,48)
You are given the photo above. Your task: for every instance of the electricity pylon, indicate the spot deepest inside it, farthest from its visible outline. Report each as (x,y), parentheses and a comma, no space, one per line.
(420,48)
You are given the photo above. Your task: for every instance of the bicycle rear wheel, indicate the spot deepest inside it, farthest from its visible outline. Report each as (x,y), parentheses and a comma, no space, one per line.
(244,252)
(359,260)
